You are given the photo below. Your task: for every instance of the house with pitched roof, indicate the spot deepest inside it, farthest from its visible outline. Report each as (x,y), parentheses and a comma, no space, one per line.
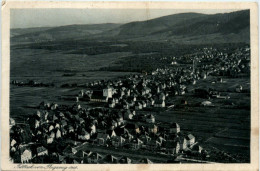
(25,154)
(50,137)
(125,104)
(13,142)
(118,141)
(128,137)
(174,128)
(150,118)
(62,159)
(84,135)
(162,96)
(128,115)
(144,136)
(111,102)
(138,105)
(58,134)
(69,150)
(82,154)
(102,138)
(92,128)
(143,103)
(119,118)
(159,103)
(136,143)
(111,133)
(110,159)
(152,128)
(134,128)
(41,151)
(197,148)
(190,139)
(152,145)
(95,158)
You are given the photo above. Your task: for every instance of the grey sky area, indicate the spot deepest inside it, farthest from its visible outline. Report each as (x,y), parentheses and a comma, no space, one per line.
(26,18)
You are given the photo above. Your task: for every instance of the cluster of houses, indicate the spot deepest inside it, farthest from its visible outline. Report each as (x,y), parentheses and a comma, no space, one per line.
(134,92)
(98,126)
(226,62)
(149,91)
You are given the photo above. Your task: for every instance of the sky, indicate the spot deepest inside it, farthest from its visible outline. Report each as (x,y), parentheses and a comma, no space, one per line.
(27,18)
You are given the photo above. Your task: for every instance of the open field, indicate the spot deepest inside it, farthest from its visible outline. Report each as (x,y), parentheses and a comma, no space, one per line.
(52,67)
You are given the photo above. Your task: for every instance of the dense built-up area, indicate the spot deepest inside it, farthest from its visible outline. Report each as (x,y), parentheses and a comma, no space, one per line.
(121,120)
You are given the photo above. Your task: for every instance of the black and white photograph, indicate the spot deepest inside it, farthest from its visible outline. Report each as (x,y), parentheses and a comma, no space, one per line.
(130,86)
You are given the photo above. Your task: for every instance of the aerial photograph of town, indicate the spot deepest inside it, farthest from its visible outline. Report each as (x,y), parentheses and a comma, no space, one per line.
(91,86)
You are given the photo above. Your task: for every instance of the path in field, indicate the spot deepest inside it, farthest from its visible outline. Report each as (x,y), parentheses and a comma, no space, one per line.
(216,133)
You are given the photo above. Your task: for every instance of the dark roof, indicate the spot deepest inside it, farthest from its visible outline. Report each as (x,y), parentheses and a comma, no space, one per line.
(120,131)
(197,147)
(110,100)
(128,112)
(96,155)
(41,149)
(97,94)
(64,122)
(153,142)
(145,138)
(81,153)
(119,115)
(175,125)
(110,159)
(158,101)
(171,144)
(136,140)
(69,149)
(131,126)
(150,116)
(118,138)
(152,126)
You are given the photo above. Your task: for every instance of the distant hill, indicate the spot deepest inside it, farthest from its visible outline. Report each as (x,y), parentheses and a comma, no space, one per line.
(22,31)
(179,28)
(58,33)
(234,26)
(158,25)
